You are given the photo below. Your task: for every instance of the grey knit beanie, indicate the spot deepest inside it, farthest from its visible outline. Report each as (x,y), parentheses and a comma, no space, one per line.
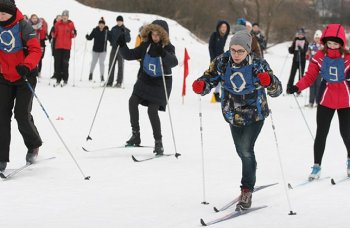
(242,38)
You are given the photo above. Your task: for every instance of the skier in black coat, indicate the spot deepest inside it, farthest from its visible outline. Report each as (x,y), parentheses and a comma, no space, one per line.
(298,49)
(217,43)
(99,50)
(149,88)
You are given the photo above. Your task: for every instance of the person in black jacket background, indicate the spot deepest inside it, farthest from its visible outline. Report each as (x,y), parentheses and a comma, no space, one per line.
(298,49)
(99,50)
(217,42)
(113,36)
(149,89)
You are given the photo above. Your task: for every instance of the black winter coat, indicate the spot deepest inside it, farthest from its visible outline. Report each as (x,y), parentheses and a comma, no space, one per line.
(115,32)
(217,42)
(295,50)
(100,39)
(148,88)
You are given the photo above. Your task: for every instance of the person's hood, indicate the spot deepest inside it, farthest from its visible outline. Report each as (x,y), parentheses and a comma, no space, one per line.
(220,22)
(161,27)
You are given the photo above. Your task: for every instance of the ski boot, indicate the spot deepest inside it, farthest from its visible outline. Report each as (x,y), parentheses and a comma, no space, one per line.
(245,200)
(3,165)
(217,97)
(158,148)
(135,139)
(118,85)
(316,172)
(102,78)
(90,77)
(32,154)
(348,167)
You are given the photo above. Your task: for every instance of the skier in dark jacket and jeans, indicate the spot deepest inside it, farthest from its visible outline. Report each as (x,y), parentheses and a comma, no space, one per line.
(149,88)
(20,53)
(244,103)
(113,36)
(217,42)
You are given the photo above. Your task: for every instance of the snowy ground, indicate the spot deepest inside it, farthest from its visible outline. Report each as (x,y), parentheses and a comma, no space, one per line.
(166,192)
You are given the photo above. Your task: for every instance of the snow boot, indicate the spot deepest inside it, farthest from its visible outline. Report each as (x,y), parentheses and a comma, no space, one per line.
(118,85)
(348,167)
(245,200)
(135,139)
(158,148)
(32,154)
(102,78)
(3,165)
(315,173)
(90,77)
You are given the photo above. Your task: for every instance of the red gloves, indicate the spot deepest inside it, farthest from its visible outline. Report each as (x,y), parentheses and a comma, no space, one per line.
(198,86)
(265,79)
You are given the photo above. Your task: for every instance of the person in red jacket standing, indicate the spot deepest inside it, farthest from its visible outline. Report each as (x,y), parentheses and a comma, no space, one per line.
(19,55)
(64,32)
(333,64)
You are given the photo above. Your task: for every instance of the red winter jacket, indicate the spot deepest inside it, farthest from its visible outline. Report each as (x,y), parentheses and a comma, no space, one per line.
(9,60)
(332,95)
(63,33)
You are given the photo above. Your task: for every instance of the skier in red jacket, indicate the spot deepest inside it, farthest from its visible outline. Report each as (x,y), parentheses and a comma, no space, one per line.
(19,55)
(333,64)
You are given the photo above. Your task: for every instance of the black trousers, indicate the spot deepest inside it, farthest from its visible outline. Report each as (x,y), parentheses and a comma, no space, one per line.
(293,71)
(41,59)
(18,97)
(62,57)
(324,117)
(111,68)
(134,102)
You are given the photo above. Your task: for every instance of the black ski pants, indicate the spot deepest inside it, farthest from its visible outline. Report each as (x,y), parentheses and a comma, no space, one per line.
(62,57)
(134,102)
(324,117)
(293,71)
(18,97)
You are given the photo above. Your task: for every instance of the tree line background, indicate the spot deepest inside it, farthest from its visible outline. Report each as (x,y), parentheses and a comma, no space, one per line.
(278,19)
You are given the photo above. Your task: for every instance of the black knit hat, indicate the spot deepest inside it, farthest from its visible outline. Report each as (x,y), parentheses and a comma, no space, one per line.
(102,21)
(8,6)
(120,18)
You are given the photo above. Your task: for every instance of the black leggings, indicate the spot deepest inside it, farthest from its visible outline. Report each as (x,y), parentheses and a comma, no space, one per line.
(324,118)
(134,102)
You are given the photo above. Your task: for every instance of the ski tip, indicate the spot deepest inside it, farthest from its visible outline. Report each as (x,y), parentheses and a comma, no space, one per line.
(290,186)
(215,209)
(134,159)
(333,182)
(203,223)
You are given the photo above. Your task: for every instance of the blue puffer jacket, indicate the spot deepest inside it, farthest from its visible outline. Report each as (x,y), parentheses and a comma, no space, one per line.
(241,110)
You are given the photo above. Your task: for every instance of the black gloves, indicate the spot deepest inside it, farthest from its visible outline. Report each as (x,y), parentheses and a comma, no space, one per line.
(121,40)
(156,50)
(22,70)
(292,89)
(87,36)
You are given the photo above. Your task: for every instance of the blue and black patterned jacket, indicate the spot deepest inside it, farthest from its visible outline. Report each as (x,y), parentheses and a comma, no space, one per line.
(241,110)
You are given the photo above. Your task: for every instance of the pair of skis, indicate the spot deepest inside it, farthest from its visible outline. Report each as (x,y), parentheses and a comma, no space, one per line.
(7,175)
(134,158)
(237,212)
(307,182)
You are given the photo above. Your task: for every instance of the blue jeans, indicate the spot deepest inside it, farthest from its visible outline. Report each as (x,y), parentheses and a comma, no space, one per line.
(244,139)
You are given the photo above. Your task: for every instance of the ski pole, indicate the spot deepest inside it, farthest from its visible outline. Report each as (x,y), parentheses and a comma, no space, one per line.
(167,101)
(82,65)
(55,129)
(302,114)
(74,63)
(103,91)
(202,149)
(291,212)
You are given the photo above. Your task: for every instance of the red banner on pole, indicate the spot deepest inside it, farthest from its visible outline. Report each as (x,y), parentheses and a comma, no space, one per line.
(186,72)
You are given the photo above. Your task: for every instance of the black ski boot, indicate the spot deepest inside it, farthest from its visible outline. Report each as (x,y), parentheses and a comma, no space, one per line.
(135,139)
(217,97)
(90,77)
(158,148)
(3,166)
(102,78)
(32,154)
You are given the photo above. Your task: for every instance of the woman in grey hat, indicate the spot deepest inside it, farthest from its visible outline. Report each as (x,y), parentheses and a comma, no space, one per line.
(243,101)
